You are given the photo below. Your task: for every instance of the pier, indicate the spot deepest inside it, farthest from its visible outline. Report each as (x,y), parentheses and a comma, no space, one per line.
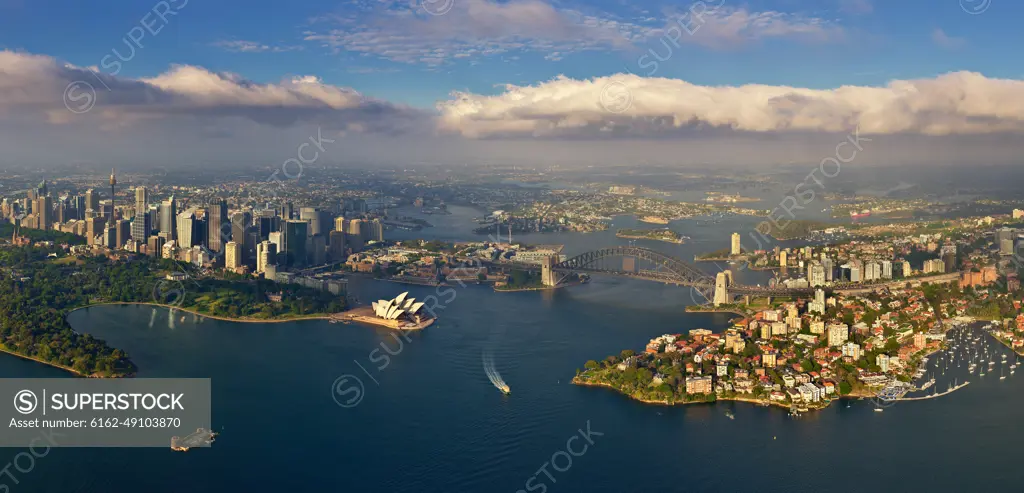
(932,396)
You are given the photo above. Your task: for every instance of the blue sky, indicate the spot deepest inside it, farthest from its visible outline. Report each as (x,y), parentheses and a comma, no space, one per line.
(862,42)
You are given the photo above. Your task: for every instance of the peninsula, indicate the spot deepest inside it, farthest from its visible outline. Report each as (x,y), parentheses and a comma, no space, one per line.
(42,284)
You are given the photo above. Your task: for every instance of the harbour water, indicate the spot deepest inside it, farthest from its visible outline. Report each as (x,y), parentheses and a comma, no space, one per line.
(428,418)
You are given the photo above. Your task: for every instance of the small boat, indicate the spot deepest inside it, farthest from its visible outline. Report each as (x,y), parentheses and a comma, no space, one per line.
(730,415)
(878,409)
(505,390)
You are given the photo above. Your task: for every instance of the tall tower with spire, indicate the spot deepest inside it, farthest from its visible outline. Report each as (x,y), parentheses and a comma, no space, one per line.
(113,183)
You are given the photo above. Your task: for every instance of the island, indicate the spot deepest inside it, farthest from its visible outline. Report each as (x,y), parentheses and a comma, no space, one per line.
(659,234)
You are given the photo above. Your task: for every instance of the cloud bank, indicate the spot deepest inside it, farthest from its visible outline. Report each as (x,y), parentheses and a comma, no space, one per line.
(49,113)
(634,106)
(33,86)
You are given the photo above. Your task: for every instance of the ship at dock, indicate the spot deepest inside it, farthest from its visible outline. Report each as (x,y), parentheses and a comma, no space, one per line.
(856,216)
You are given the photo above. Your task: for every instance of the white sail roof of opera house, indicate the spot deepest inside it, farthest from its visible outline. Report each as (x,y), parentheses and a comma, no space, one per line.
(401,305)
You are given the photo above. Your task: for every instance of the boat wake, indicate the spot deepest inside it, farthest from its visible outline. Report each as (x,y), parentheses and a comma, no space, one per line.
(492,373)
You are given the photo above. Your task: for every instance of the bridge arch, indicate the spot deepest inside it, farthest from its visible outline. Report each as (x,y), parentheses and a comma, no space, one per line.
(674,270)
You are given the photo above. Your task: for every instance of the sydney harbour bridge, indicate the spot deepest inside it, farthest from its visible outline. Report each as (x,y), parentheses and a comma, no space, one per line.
(644,263)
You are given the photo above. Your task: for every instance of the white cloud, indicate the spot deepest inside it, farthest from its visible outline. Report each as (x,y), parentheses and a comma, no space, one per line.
(33,86)
(471,29)
(726,27)
(629,105)
(483,28)
(242,46)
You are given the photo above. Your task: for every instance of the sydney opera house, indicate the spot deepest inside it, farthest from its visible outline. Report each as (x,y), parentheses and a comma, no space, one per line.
(398,308)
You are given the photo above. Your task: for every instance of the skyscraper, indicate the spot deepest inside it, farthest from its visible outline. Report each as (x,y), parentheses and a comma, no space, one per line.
(736,249)
(318,249)
(219,226)
(169,218)
(266,254)
(816,274)
(376,230)
(93,227)
(293,243)
(355,238)
(232,255)
(887,269)
(141,227)
(186,226)
(44,209)
(337,249)
(123,232)
(92,201)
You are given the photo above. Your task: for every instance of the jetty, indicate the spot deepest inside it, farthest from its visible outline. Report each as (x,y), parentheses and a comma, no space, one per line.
(937,394)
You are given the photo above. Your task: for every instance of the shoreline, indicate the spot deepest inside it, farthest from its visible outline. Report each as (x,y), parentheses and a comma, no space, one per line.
(748,400)
(694,309)
(215,317)
(58,365)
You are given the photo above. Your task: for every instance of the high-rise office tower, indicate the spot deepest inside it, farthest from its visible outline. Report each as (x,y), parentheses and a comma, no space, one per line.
(293,243)
(376,230)
(275,238)
(78,204)
(318,249)
(93,227)
(186,227)
(124,232)
(337,249)
(110,237)
(169,218)
(141,226)
(266,254)
(92,200)
(232,255)
(219,226)
(268,224)
(735,248)
(155,246)
(44,210)
(312,216)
